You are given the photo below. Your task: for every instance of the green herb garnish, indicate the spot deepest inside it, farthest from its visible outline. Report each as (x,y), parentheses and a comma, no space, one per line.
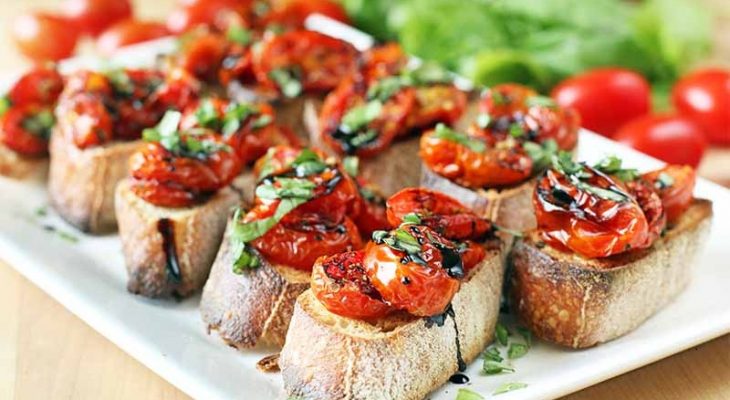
(612,165)
(167,134)
(483,120)
(526,335)
(541,154)
(4,105)
(664,180)
(207,115)
(235,115)
(446,133)
(360,116)
(412,218)
(517,350)
(351,165)
(239,35)
(501,333)
(40,124)
(542,101)
(508,387)
(287,81)
(491,367)
(492,353)
(466,394)
(516,130)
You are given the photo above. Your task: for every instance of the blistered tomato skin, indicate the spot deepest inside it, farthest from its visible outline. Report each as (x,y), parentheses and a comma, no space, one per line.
(14,132)
(41,85)
(704,96)
(584,223)
(439,212)
(343,287)
(676,195)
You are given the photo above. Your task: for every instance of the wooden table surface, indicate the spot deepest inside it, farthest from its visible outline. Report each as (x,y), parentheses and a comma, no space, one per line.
(46,352)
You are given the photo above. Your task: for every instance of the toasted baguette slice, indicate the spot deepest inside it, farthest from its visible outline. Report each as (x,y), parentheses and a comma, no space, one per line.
(14,165)
(81,182)
(331,357)
(509,208)
(254,307)
(169,251)
(577,302)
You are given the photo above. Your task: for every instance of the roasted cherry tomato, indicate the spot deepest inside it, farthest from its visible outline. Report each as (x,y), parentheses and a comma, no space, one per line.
(202,55)
(674,139)
(343,287)
(372,216)
(292,13)
(436,103)
(587,223)
(93,16)
(605,98)
(179,90)
(704,96)
(40,85)
(131,107)
(468,166)
(422,287)
(439,212)
(303,61)
(300,239)
(86,120)
(167,179)
(26,129)
(651,204)
(505,99)
(277,161)
(237,66)
(675,185)
(382,61)
(45,37)
(128,32)
(212,13)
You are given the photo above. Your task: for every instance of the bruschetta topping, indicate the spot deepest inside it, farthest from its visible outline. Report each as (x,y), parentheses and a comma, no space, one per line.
(387,99)
(412,268)
(512,138)
(181,168)
(26,111)
(603,210)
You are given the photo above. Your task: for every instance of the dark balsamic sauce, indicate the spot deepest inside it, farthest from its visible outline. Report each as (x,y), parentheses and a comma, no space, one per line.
(459,379)
(167,230)
(440,320)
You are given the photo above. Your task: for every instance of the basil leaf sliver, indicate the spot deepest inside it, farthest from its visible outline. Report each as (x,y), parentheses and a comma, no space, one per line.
(359,116)
(446,133)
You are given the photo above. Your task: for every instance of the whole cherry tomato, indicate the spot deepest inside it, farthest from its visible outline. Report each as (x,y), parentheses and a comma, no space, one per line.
(214,13)
(40,85)
(587,223)
(43,37)
(293,13)
(435,103)
(343,287)
(128,32)
(93,16)
(26,129)
(202,56)
(372,215)
(606,98)
(437,211)
(647,197)
(86,120)
(670,138)
(675,185)
(423,288)
(704,96)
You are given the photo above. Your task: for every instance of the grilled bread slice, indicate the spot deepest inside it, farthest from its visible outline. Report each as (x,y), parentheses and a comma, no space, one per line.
(81,182)
(577,302)
(401,357)
(253,307)
(169,251)
(15,165)
(509,208)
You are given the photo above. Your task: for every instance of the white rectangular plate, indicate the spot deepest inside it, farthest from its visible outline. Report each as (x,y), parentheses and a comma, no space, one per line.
(88,278)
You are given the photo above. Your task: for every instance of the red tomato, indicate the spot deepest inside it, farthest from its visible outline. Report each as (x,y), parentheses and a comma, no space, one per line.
(42,37)
(439,212)
(41,85)
(26,128)
(606,98)
(421,290)
(202,56)
(129,32)
(343,287)
(670,138)
(93,16)
(372,209)
(217,13)
(87,120)
(293,13)
(676,190)
(704,96)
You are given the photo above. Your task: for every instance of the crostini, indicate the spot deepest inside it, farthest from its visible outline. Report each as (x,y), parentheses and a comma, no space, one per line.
(100,118)
(375,112)
(26,121)
(491,166)
(303,209)
(173,208)
(398,318)
(611,248)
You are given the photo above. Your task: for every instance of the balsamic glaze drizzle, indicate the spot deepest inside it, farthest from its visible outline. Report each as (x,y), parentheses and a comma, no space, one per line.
(167,230)
(459,379)
(439,320)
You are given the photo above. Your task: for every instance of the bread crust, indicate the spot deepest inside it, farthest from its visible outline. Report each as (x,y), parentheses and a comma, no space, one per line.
(82,182)
(331,357)
(17,166)
(254,307)
(575,302)
(509,207)
(195,231)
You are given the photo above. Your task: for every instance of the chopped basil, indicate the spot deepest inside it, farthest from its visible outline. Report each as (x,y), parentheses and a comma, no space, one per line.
(483,120)
(378,236)
(492,353)
(385,88)
(421,75)
(121,82)
(234,116)
(412,218)
(446,133)
(501,333)
(167,134)
(243,258)
(282,188)
(516,130)
(466,394)
(287,81)
(428,73)
(308,163)
(239,35)
(491,367)
(4,105)
(351,164)
(207,115)
(517,350)
(360,116)
(563,162)
(508,387)
(40,124)
(541,154)
(542,101)
(499,99)
(526,335)
(41,211)
(612,165)
(607,194)
(664,180)
(262,121)
(246,232)
(398,239)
